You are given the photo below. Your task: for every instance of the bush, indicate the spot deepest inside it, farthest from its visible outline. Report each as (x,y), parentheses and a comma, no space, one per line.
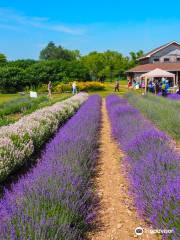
(81,86)
(56,199)
(153,165)
(162,111)
(18,75)
(20,105)
(12,79)
(19,140)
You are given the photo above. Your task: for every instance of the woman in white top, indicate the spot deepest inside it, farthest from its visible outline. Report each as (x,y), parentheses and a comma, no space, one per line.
(49,89)
(74,88)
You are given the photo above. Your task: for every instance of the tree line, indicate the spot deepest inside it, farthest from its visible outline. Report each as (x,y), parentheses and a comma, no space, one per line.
(58,64)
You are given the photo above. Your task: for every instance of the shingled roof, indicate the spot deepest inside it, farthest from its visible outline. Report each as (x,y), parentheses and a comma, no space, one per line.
(171,67)
(149,54)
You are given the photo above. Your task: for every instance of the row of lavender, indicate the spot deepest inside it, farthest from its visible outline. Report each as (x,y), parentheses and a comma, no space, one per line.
(152,162)
(19,140)
(55,200)
(173,96)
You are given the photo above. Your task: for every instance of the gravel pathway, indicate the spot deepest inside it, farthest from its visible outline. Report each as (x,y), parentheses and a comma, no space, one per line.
(117,216)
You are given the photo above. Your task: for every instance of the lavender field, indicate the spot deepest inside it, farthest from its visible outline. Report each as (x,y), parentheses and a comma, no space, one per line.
(153,165)
(55,200)
(63,195)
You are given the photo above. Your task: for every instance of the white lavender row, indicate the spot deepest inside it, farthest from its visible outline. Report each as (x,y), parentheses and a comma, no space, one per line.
(18,141)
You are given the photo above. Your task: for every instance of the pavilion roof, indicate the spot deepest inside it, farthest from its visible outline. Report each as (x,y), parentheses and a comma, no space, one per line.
(158,73)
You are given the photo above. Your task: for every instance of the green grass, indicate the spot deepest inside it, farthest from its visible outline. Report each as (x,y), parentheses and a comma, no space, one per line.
(164,113)
(8,97)
(15,114)
(110,89)
(16,107)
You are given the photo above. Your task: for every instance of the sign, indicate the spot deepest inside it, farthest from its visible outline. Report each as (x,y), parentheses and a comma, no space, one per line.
(33,94)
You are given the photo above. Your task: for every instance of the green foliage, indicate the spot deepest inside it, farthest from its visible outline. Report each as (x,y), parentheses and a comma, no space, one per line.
(109,64)
(58,64)
(21,63)
(12,79)
(81,86)
(31,75)
(20,105)
(134,57)
(53,52)
(2,58)
(163,112)
(23,106)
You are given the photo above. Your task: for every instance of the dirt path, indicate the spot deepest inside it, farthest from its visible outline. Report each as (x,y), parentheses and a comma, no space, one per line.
(117,216)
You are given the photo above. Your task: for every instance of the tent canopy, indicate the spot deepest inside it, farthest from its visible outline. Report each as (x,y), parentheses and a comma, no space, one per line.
(158,73)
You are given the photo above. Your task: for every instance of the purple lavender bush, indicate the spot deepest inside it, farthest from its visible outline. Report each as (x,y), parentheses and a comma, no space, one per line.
(56,199)
(20,140)
(172,96)
(153,165)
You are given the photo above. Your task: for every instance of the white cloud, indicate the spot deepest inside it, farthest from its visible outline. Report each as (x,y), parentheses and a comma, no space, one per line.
(10,19)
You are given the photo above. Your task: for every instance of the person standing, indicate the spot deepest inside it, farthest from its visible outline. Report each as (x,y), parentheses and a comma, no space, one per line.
(116,86)
(74,88)
(49,89)
(163,88)
(157,87)
(167,86)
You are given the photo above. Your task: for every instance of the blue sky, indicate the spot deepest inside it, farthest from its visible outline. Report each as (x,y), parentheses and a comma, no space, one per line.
(26,26)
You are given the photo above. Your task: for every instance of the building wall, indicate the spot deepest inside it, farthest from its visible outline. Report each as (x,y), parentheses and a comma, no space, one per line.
(144,61)
(172,52)
(137,76)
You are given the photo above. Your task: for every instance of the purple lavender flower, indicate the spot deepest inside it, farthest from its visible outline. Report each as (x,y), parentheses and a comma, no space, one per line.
(153,165)
(19,140)
(55,200)
(172,96)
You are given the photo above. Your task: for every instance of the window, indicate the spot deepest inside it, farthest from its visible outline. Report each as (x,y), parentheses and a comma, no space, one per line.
(166,59)
(156,59)
(178,59)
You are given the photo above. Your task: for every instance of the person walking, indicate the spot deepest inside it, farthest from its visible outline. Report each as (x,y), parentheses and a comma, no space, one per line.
(74,88)
(116,86)
(49,89)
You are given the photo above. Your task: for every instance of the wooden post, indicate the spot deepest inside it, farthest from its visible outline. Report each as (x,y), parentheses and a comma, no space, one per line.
(145,84)
(176,81)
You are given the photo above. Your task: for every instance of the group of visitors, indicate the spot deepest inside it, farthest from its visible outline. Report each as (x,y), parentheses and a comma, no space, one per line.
(163,87)
(156,87)
(136,84)
(153,86)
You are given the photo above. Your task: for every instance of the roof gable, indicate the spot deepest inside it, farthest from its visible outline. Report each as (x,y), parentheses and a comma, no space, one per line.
(151,53)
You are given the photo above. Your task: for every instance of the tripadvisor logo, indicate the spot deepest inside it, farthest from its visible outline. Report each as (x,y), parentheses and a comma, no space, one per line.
(139,231)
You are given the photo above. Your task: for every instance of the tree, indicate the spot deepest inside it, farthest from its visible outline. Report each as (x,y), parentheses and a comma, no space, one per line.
(12,79)
(109,64)
(21,63)
(53,52)
(134,57)
(2,58)
(94,61)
